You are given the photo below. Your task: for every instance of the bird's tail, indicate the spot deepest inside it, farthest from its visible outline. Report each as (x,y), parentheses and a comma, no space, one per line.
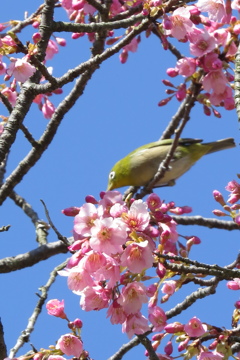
(221,145)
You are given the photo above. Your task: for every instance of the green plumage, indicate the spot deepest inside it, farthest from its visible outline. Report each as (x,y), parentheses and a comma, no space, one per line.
(139,167)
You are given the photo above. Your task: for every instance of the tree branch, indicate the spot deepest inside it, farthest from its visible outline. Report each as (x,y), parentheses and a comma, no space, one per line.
(25,334)
(32,257)
(207,222)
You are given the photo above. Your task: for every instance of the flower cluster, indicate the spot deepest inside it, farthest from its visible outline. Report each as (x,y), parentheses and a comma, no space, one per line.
(188,336)
(115,243)
(212,44)
(232,210)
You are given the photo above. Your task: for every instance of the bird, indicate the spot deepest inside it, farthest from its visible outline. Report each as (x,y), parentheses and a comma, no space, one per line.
(140,166)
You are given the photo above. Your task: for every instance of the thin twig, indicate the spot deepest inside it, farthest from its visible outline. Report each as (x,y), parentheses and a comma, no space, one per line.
(207,222)
(59,235)
(25,334)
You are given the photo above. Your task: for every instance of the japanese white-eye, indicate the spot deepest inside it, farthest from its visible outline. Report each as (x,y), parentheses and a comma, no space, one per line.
(139,167)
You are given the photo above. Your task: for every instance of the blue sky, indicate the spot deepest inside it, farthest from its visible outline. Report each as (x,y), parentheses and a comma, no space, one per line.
(117,113)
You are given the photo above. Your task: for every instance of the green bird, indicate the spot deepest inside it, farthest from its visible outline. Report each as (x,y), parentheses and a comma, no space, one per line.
(140,166)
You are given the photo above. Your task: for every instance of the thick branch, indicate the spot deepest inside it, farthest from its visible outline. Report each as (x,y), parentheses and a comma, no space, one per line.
(32,257)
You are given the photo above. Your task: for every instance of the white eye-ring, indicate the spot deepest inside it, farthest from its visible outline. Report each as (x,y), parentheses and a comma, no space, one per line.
(112,175)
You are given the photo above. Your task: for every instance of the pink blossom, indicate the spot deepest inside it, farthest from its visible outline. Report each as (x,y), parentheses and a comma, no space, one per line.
(8,40)
(95,298)
(132,296)
(116,313)
(215,9)
(70,345)
(235,4)
(116,7)
(93,261)
(3,66)
(20,69)
(216,81)
(154,202)
(10,94)
(78,279)
(211,62)
(84,220)
(181,23)
(118,209)
(157,317)
(48,109)
(225,98)
(234,188)
(186,66)
(171,227)
(56,308)
(135,324)
(137,217)
(51,50)
(132,46)
(201,42)
(169,287)
(109,273)
(234,284)
(108,235)
(181,92)
(137,257)
(195,328)
(108,200)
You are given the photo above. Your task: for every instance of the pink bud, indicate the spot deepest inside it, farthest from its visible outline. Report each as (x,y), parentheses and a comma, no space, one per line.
(71,211)
(36,37)
(167,24)
(91,199)
(102,193)
(164,101)
(213,345)
(207,110)
(168,83)
(182,346)
(218,197)
(161,270)
(237,304)
(75,36)
(168,348)
(217,114)
(172,72)
(35,24)
(78,323)
(174,328)
(58,91)
(181,93)
(123,56)
(61,41)
(219,212)
(157,337)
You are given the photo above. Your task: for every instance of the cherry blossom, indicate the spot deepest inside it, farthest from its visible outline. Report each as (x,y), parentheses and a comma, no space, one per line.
(70,345)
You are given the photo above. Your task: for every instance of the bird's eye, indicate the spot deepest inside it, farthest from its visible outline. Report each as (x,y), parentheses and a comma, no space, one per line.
(112,175)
